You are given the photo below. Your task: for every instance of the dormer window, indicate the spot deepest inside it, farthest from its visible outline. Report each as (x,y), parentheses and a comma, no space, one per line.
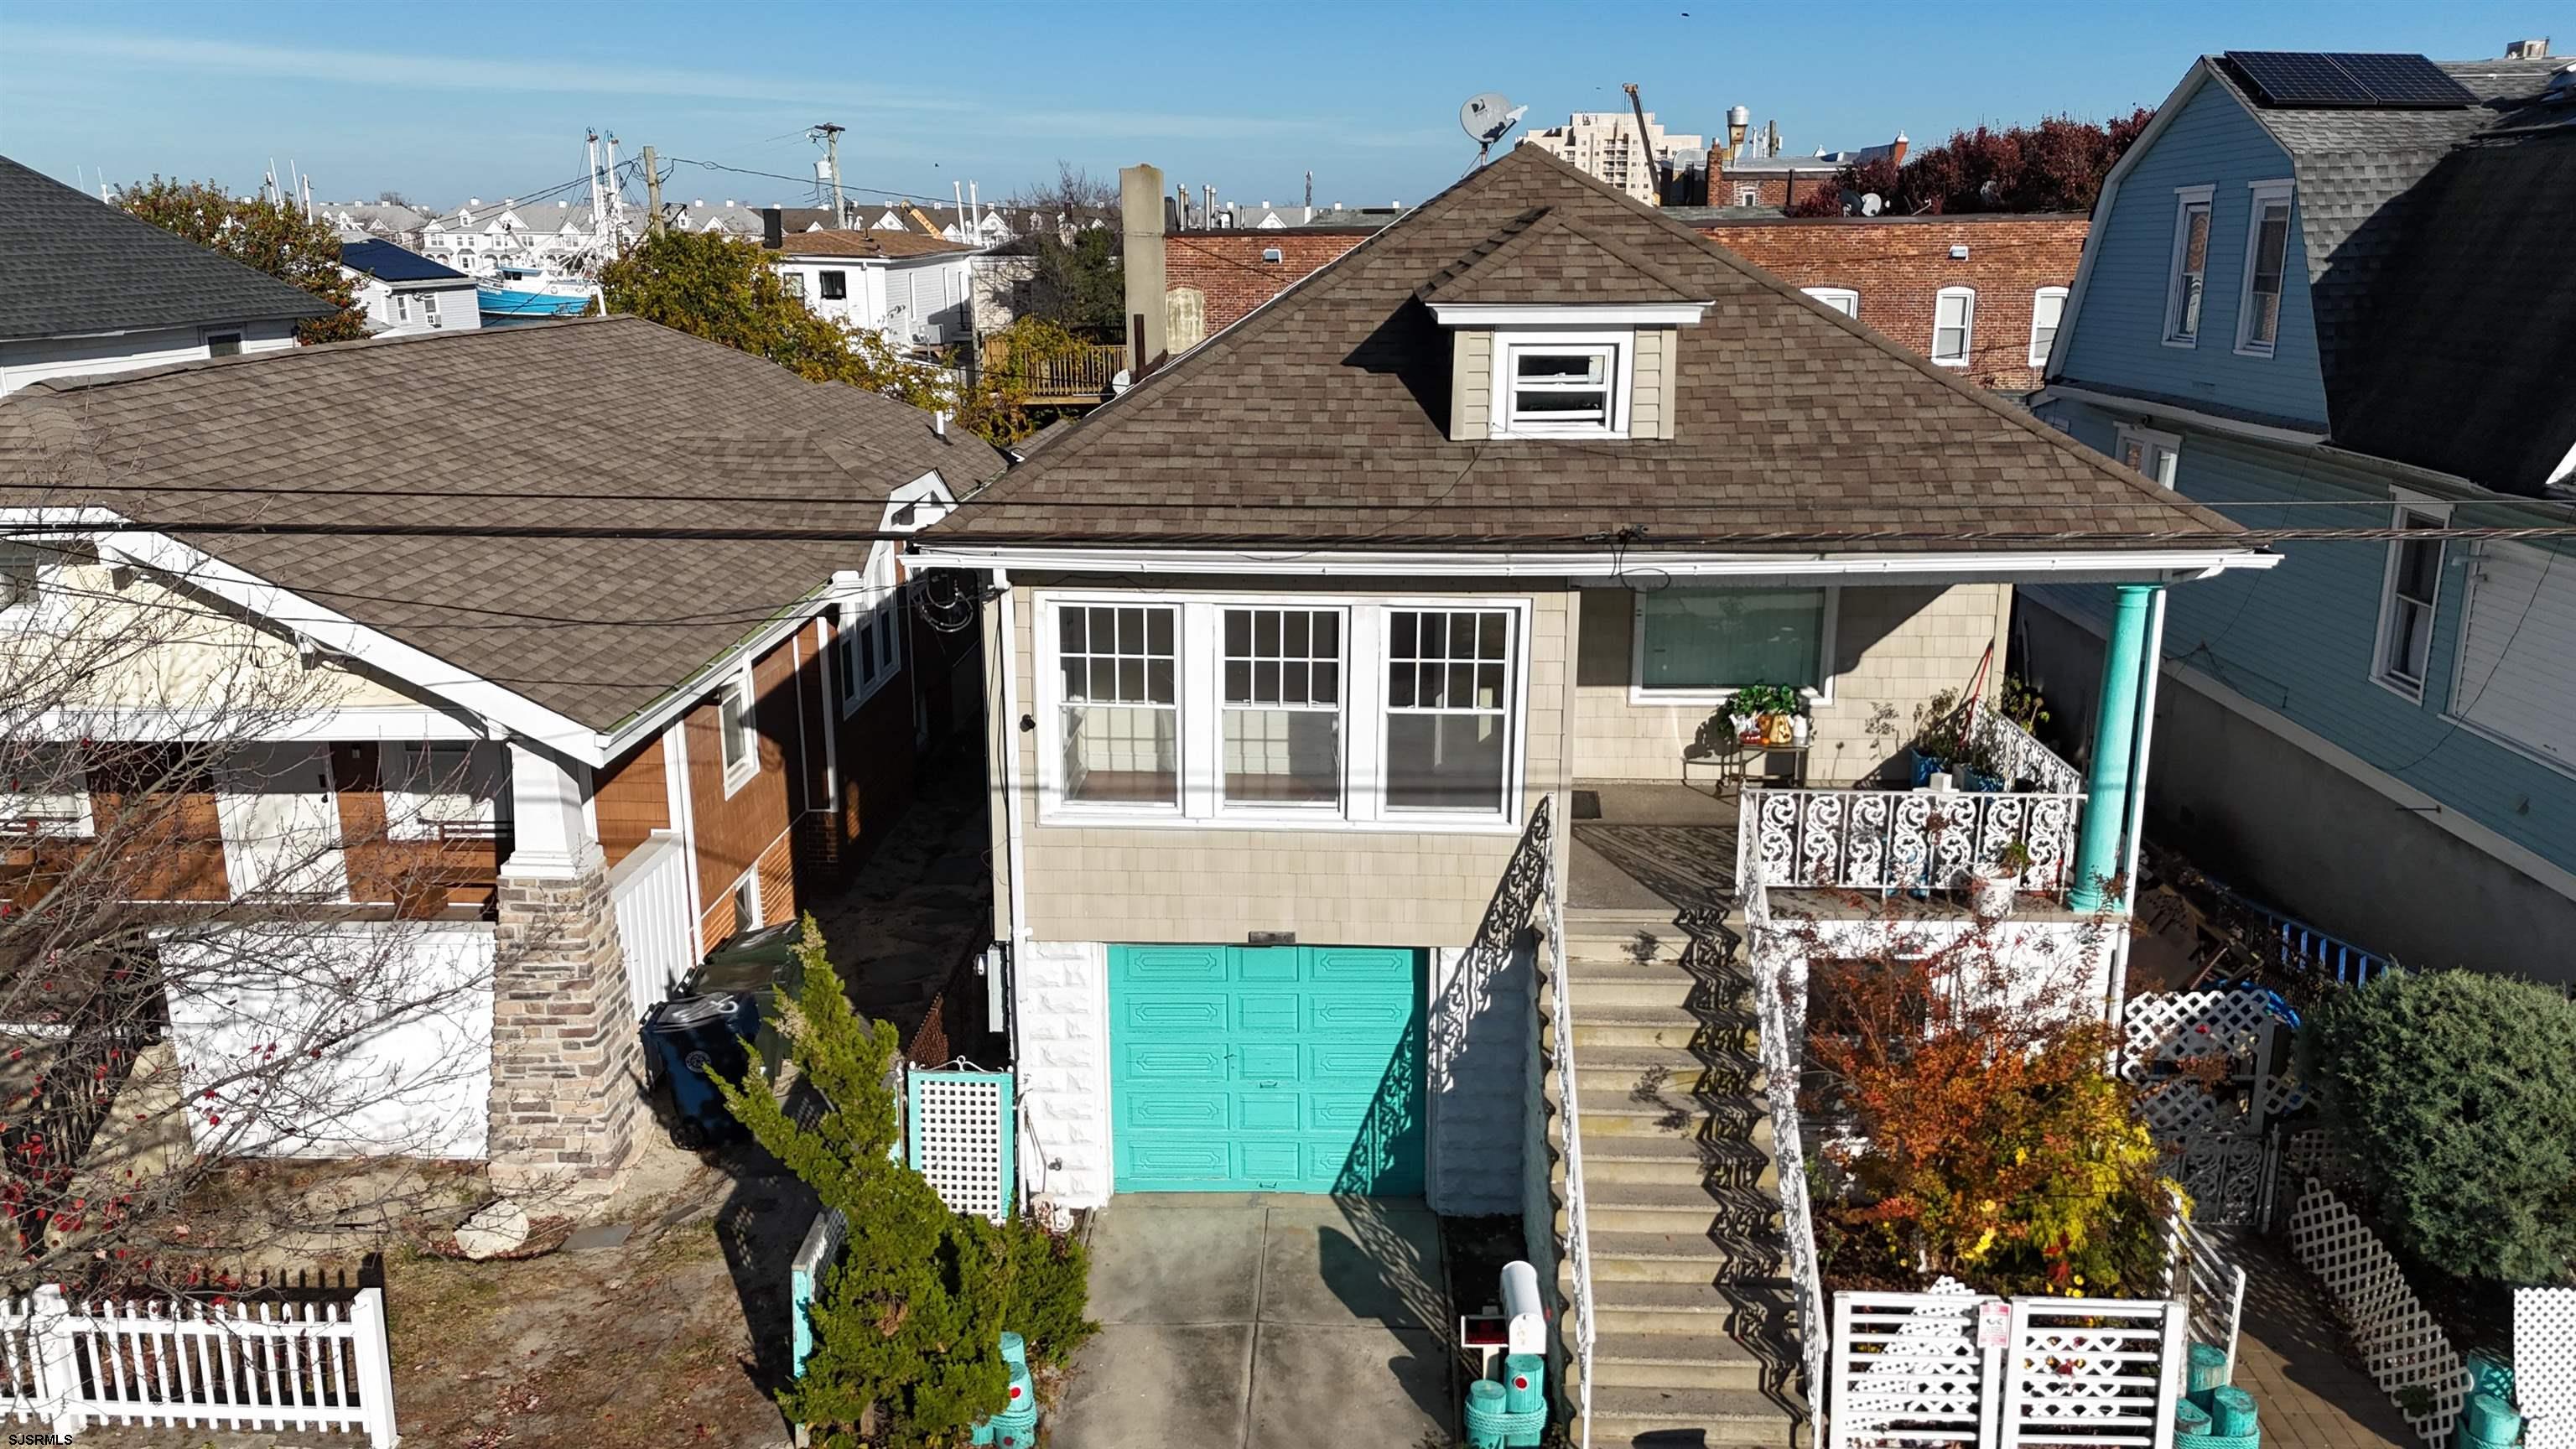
(1563,387)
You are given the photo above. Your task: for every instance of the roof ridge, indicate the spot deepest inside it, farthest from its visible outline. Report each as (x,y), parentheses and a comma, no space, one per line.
(84,382)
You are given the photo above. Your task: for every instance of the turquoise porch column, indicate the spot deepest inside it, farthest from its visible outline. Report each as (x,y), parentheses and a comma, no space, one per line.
(2115,738)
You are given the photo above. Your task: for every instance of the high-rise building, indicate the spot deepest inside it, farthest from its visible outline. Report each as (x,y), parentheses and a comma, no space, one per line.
(1604,143)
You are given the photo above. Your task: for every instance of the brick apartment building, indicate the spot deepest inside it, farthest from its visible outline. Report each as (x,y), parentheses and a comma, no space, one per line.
(1979,292)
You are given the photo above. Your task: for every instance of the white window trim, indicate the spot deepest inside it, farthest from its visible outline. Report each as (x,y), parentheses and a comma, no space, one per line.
(2127,433)
(1639,692)
(1619,376)
(1830,295)
(740,772)
(878,600)
(2440,513)
(2261,194)
(1198,700)
(2037,357)
(2456,704)
(1967,327)
(209,337)
(2185,198)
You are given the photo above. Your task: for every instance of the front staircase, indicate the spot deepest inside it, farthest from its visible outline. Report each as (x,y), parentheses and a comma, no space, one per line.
(1694,1340)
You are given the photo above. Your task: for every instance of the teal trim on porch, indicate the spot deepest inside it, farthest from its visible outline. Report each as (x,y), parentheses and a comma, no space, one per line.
(2115,735)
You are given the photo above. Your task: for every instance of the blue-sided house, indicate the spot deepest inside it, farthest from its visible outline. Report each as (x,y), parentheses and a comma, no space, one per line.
(2338,292)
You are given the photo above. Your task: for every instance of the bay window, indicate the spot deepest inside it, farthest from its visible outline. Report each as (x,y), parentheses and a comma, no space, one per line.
(1279,711)
(1698,644)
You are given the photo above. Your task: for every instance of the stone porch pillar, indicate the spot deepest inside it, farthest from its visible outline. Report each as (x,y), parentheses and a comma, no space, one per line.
(2115,737)
(566,1065)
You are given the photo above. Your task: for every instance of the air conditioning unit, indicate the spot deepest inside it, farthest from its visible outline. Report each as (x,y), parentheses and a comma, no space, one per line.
(933,333)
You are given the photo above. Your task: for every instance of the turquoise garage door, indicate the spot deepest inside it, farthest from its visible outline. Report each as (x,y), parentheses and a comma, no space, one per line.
(1267,1069)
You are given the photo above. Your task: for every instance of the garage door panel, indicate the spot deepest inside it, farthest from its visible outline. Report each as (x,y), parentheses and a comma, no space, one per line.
(1271,1075)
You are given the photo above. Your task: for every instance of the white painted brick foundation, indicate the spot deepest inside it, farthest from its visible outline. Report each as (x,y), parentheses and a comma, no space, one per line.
(1062,1010)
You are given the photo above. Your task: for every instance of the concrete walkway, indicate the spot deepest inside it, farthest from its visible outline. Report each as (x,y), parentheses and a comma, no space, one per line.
(1263,1321)
(2292,1357)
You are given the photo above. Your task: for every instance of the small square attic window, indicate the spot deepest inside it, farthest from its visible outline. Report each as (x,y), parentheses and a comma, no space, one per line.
(1561,387)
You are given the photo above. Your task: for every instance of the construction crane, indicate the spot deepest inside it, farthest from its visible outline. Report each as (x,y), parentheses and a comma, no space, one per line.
(1654,165)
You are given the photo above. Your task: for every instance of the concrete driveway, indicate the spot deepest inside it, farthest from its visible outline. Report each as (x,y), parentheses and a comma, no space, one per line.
(1263,1321)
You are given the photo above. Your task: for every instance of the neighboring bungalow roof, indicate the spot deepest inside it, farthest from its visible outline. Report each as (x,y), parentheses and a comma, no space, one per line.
(867,245)
(387,262)
(1321,419)
(2354,168)
(612,424)
(76,266)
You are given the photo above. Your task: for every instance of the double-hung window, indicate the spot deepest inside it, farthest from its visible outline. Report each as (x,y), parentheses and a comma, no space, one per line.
(1841,299)
(1120,702)
(2267,250)
(1448,708)
(1954,325)
(402,307)
(1700,645)
(429,309)
(1560,387)
(836,285)
(795,281)
(2190,274)
(1280,711)
(2147,451)
(736,724)
(2407,599)
(2047,310)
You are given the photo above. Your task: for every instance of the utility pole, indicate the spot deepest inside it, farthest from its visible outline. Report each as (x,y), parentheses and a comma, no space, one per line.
(831,136)
(652,192)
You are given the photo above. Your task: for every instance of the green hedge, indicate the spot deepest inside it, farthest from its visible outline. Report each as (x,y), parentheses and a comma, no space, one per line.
(2454,1093)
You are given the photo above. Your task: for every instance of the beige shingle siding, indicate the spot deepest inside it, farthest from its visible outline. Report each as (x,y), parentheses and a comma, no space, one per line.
(1471,385)
(1332,887)
(1650,401)
(1895,648)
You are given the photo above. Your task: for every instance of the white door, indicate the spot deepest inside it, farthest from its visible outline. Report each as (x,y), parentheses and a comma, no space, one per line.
(281,823)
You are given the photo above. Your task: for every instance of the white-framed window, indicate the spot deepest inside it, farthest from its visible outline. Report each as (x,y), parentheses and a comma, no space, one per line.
(1561,385)
(2507,681)
(44,792)
(429,309)
(1700,645)
(223,344)
(737,726)
(2409,597)
(402,306)
(1748,196)
(2267,255)
(1116,677)
(2047,310)
(2188,281)
(870,628)
(1379,713)
(1841,299)
(795,281)
(746,903)
(2147,451)
(1954,325)
(440,790)
(836,285)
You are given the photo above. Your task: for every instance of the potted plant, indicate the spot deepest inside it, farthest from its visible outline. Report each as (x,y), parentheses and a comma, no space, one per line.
(1773,708)
(1937,729)
(1979,762)
(1991,886)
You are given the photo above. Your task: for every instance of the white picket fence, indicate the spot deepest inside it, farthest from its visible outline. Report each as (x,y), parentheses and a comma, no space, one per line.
(650,891)
(171,1363)
(1971,1369)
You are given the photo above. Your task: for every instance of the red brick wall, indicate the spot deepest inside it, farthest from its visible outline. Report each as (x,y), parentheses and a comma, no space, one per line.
(1768,190)
(1226,269)
(1898,264)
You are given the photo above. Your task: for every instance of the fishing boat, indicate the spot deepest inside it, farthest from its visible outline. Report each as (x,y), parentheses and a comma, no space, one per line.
(531,293)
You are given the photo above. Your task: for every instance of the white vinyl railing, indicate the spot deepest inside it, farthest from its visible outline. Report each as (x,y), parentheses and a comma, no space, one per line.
(1894,840)
(183,1363)
(1780,1008)
(650,891)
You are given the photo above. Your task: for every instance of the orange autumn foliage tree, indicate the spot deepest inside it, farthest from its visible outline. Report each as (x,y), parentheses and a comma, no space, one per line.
(1987,1141)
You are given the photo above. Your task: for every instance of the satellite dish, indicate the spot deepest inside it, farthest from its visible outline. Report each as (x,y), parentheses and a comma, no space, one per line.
(1871,203)
(1488,117)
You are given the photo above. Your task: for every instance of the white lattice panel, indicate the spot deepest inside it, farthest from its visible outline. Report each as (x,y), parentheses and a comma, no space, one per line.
(961,1139)
(2544,1365)
(1907,1368)
(2092,1370)
(2400,1344)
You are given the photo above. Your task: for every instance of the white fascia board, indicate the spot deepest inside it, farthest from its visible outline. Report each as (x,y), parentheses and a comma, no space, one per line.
(2192,80)
(671,704)
(2106,566)
(349,722)
(1524,314)
(326,627)
(2206,422)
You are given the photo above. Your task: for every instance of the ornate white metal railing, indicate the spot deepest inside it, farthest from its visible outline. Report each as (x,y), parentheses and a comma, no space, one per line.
(1780,1007)
(2021,754)
(1893,840)
(1578,1244)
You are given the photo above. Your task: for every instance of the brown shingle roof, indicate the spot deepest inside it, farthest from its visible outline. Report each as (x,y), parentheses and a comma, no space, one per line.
(864,244)
(1550,258)
(1321,419)
(613,424)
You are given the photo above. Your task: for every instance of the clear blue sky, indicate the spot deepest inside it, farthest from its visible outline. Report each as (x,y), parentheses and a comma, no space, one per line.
(449,99)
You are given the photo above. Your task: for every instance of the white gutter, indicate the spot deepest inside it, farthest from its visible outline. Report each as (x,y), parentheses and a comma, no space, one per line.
(1007,728)
(2122,402)
(2144,565)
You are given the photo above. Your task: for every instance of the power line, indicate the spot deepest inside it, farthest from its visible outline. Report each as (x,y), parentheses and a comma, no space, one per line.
(807,180)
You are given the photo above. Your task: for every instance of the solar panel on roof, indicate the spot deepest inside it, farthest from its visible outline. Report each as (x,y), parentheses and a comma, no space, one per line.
(2304,79)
